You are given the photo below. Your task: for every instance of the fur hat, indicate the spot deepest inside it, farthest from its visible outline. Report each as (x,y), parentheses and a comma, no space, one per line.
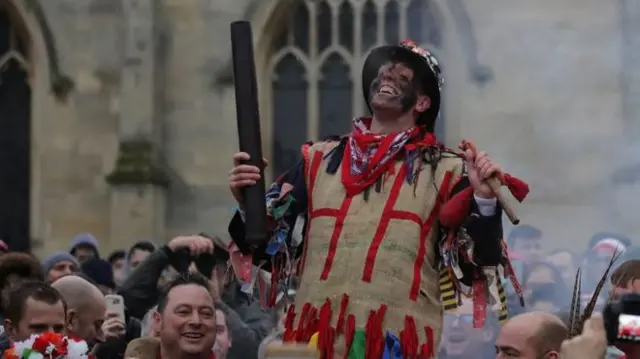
(423,64)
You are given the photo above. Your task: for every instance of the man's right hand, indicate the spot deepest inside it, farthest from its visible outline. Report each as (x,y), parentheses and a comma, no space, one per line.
(242,175)
(591,344)
(196,244)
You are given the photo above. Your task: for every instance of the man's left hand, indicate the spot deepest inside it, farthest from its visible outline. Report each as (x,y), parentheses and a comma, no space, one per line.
(480,168)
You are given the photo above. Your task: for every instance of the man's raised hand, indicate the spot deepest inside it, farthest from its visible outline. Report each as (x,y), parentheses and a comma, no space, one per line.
(196,244)
(242,175)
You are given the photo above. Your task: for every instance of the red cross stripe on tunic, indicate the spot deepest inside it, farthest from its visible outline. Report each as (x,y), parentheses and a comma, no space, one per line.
(388,214)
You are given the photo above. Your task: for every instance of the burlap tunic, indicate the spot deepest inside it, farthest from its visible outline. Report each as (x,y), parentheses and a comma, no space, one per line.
(377,251)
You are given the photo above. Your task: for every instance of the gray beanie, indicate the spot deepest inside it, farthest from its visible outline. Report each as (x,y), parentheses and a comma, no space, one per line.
(57,257)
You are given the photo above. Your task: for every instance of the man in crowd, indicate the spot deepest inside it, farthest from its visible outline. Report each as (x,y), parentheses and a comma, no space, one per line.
(84,246)
(185,320)
(101,274)
(58,265)
(14,269)
(138,252)
(247,322)
(461,340)
(117,261)
(85,308)
(525,244)
(223,338)
(34,307)
(534,335)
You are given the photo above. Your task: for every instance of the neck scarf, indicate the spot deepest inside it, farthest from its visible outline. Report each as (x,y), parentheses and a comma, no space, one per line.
(368,156)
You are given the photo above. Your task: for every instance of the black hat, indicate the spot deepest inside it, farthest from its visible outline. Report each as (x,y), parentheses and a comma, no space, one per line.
(423,63)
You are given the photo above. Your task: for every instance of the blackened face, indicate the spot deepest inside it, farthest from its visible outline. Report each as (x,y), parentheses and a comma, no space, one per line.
(394,89)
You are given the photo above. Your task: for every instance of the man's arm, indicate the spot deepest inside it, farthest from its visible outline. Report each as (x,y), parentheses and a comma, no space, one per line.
(140,290)
(248,330)
(484,227)
(295,178)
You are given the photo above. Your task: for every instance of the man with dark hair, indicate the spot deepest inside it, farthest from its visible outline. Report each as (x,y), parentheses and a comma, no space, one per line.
(34,307)
(117,261)
(185,320)
(534,335)
(525,243)
(138,252)
(14,269)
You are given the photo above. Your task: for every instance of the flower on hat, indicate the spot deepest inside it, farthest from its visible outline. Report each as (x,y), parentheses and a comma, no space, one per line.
(49,345)
(428,57)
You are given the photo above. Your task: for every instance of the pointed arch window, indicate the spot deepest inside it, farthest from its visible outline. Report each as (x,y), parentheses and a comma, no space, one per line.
(316,61)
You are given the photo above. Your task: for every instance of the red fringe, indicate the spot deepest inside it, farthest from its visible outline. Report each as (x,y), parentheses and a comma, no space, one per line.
(313,321)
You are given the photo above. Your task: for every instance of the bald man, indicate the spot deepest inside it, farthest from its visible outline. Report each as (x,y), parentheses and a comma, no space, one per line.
(86,309)
(534,335)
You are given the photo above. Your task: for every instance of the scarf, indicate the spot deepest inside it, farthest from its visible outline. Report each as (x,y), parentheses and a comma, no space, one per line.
(368,156)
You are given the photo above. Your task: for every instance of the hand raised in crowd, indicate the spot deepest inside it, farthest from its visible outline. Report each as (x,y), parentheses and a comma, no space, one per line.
(591,344)
(242,175)
(113,327)
(196,244)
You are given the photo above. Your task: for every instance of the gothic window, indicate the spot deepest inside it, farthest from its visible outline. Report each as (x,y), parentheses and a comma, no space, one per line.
(315,66)
(15,162)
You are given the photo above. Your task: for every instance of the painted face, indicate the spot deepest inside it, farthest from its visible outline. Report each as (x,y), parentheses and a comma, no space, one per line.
(393,89)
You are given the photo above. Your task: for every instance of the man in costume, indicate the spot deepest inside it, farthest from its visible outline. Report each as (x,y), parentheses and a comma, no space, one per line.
(376,262)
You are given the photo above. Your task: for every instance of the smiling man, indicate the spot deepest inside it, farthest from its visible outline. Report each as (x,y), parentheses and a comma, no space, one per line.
(186,319)
(372,202)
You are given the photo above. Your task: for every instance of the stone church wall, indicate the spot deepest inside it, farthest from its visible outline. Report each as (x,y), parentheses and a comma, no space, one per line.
(544,86)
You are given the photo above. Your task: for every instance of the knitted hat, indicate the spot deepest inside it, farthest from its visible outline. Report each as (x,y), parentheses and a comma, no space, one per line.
(100,272)
(57,257)
(84,239)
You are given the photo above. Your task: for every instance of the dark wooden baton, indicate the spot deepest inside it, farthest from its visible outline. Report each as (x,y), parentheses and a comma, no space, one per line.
(248,116)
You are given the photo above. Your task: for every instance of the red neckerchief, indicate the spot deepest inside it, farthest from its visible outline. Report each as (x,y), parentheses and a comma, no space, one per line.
(367,156)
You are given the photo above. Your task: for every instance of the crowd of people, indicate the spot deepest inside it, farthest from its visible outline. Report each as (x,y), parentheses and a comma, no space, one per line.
(65,292)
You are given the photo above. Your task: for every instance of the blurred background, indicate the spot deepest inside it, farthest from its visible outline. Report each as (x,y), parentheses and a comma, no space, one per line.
(117,117)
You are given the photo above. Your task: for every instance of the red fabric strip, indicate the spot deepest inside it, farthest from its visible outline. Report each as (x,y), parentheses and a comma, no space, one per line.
(313,174)
(324,212)
(479,302)
(335,236)
(342,314)
(426,228)
(383,225)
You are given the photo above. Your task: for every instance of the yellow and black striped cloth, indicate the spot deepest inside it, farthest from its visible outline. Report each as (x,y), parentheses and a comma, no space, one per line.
(450,298)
